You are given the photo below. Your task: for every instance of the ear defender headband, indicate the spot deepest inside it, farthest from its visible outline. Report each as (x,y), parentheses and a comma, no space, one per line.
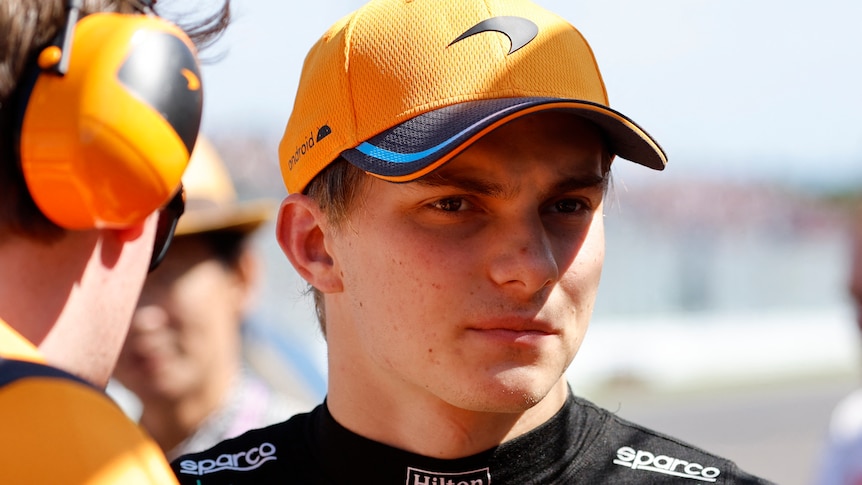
(110,122)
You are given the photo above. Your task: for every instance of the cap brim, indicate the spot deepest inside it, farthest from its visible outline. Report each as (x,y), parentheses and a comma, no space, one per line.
(421,144)
(242,217)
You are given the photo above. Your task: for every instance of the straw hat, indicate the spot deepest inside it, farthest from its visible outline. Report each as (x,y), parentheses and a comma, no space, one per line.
(211,199)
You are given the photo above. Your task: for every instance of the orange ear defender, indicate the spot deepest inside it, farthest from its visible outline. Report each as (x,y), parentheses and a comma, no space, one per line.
(111,119)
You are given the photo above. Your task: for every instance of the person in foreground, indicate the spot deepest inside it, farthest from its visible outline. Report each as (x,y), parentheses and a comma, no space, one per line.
(183,358)
(100,105)
(446,164)
(841,457)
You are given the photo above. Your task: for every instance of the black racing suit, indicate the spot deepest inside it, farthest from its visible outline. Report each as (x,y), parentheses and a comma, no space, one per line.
(581,444)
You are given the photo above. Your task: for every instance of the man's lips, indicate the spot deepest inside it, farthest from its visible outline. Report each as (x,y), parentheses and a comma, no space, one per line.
(515,330)
(143,361)
(515,324)
(144,354)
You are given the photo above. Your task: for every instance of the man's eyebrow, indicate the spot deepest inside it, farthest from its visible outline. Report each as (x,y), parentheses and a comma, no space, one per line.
(462,182)
(479,186)
(581,181)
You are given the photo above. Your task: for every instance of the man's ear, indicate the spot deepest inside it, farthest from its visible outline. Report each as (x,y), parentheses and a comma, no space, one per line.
(300,230)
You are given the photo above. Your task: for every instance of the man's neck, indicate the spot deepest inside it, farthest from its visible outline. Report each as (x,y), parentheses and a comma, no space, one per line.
(435,428)
(171,420)
(31,297)
(170,423)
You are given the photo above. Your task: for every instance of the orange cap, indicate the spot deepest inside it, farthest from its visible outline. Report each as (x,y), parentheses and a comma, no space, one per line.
(399,87)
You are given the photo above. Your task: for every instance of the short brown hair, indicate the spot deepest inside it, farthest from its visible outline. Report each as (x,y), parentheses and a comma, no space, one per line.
(335,190)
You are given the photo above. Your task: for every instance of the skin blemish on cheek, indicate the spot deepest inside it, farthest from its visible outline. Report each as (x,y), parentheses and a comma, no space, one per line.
(432,359)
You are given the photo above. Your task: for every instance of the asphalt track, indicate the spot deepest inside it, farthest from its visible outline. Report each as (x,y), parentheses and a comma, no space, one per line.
(774,430)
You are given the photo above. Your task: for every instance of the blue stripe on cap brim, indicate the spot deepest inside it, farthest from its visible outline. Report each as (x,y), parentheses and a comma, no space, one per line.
(423,143)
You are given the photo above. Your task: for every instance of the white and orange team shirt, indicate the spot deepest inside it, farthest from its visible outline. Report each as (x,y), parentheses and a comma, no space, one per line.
(59,431)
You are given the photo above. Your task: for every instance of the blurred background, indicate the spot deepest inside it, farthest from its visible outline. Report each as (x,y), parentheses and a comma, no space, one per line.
(723,316)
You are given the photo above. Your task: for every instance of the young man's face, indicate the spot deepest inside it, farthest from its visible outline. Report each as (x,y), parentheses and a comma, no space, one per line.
(185,333)
(474,285)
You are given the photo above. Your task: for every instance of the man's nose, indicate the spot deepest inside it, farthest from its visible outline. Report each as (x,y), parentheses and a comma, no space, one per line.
(523,258)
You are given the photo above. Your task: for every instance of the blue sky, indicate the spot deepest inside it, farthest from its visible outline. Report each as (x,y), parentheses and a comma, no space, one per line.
(759,88)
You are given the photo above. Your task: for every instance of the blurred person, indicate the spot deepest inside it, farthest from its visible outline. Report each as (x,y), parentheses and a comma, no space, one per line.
(100,106)
(183,357)
(446,164)
(841,461)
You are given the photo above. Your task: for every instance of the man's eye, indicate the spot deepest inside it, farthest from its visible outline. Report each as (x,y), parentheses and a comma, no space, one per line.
(569,205)
(449,205)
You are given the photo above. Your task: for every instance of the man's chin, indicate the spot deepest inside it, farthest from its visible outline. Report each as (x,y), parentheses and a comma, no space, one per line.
(511,393)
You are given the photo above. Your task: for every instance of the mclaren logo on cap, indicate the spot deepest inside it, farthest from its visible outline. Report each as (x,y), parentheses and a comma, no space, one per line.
(519,30)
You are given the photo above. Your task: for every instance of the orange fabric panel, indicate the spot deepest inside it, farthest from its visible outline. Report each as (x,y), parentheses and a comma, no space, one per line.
(58,431)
